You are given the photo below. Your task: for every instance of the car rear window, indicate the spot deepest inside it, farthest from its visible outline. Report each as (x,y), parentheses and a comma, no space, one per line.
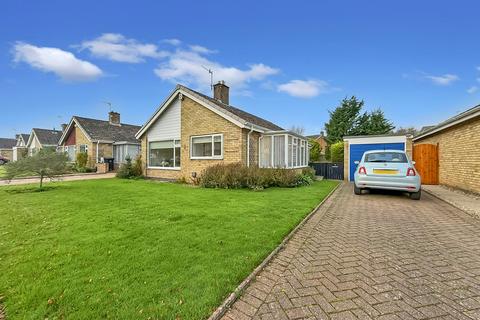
(396,157)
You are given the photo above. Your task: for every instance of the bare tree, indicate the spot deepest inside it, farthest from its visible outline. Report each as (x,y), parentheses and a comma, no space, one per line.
(297,129)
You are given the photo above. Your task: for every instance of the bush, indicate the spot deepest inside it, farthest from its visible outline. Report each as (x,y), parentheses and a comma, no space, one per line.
(81,160)
(236,176)
(315,150)
(128,170)
(336,152)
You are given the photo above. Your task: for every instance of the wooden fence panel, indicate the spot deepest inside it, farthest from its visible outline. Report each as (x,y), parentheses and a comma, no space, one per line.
(426,162)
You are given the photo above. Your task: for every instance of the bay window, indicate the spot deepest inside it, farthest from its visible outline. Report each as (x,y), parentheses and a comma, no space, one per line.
(206,147)
(164,154)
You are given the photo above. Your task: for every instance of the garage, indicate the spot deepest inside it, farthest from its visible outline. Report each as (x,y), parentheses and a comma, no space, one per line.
(356,146)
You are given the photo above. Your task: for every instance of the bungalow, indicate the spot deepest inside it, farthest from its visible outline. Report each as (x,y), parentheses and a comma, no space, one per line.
(42,138)
(6,148)
(20,149)
(191,131)
(100,139)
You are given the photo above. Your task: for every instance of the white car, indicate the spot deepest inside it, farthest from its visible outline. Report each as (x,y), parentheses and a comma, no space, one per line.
(387,169)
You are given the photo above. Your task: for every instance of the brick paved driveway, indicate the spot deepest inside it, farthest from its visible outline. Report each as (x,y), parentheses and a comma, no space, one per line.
(379,256)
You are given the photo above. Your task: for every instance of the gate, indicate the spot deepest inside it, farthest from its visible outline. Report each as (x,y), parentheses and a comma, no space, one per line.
(328,170)
(426,162)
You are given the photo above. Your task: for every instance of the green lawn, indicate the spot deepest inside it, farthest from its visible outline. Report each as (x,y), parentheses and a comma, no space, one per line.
(137,249)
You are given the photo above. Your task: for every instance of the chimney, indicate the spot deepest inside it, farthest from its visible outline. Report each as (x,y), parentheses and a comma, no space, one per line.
(322,134)
(64,126)
(220,91)
(114,118)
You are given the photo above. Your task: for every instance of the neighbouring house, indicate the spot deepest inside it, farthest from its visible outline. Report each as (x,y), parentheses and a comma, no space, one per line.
(191,131)
(42,138)
(321,140)
(356,146)
(20,149)
(6,147)
(102,140)
(449,153)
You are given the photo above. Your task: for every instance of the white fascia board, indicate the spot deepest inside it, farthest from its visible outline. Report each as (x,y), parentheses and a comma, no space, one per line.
(170,99)
(374,140)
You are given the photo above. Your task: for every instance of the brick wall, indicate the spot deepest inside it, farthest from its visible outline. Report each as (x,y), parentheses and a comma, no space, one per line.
(459,155)
(346,165)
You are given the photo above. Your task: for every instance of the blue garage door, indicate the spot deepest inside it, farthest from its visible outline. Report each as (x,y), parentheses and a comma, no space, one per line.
(357,151)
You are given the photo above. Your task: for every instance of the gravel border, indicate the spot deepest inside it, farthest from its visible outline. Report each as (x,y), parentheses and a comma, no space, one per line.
(228,302)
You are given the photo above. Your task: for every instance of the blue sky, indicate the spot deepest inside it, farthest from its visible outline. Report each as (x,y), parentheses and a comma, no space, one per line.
(289,62)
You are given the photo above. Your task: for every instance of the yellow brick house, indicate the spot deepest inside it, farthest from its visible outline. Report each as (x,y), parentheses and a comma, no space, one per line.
(191,131)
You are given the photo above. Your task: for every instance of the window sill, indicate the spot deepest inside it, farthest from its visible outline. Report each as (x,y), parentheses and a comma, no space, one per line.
(165,168)
(206,158)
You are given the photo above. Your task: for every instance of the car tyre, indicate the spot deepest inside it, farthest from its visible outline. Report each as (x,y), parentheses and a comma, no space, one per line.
(416,195)
(357,190)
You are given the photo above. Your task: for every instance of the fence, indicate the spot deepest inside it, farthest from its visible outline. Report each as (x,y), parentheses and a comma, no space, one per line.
(328,170)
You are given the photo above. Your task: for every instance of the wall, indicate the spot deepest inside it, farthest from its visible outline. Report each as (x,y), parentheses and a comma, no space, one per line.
(459,155)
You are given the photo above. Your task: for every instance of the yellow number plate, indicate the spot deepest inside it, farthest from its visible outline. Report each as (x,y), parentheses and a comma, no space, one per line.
(385,171)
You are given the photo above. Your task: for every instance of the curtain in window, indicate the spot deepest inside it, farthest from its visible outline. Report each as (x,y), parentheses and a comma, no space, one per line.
(279,151)
(265,151)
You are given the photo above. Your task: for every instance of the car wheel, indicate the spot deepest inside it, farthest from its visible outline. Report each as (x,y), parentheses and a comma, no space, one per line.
(357,190)
(416,195)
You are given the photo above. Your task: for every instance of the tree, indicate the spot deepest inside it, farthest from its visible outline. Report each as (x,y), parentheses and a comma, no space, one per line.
(407,131)
(337,151)
(347,119)
(315,150)
(298,130)
(343,119)
(45,163)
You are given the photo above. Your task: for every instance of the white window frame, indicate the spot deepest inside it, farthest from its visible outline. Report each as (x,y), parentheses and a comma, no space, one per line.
(83,145)
(212,157)
(174,155)
(300,145)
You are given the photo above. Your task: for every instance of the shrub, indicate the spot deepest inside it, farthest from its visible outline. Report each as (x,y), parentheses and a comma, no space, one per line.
(336,152)
(128,170)
(315,150)
(81,160)
(235,176)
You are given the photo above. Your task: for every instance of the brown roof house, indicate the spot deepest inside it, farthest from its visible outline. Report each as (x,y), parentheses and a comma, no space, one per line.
(20,149)
(322,141)
(191,131)
(100,139)
(6,147)
(457,142)
(42,138)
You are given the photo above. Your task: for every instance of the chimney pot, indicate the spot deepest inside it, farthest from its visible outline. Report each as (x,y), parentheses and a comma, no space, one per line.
(64,126)
(114,118)
(221,92)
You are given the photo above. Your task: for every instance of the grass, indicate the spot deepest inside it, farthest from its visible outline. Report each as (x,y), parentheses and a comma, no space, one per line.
(127,249)
(2,171)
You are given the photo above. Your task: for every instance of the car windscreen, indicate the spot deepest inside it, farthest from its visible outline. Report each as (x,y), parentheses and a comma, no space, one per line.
(396,157)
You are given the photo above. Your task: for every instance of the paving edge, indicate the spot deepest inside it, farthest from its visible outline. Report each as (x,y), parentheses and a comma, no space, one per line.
(227,303)
(453,204)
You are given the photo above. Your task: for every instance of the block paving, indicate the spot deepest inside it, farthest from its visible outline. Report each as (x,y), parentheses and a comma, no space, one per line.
(375,256)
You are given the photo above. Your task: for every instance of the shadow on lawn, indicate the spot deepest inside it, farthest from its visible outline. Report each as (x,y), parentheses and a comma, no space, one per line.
(32,190)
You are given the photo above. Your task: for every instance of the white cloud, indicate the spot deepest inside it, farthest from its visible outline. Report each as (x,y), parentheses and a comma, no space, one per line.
(63,63)
(443,80)
(201,50)
(304,88)
(188,67)
(173,42)
(472,89)
(118,48)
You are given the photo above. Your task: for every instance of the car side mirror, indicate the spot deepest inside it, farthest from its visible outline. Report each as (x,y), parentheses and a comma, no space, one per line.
(413,162)
(356,162)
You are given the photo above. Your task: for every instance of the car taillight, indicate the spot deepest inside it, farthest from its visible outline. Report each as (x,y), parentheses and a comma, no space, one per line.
(362,170)
(411,172)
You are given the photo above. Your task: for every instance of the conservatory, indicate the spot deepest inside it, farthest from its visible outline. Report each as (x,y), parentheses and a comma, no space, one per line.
(283,150)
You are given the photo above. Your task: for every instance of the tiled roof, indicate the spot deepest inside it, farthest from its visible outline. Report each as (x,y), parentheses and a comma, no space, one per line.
(6,143)
(103,130)
(228,109)
(47,136)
